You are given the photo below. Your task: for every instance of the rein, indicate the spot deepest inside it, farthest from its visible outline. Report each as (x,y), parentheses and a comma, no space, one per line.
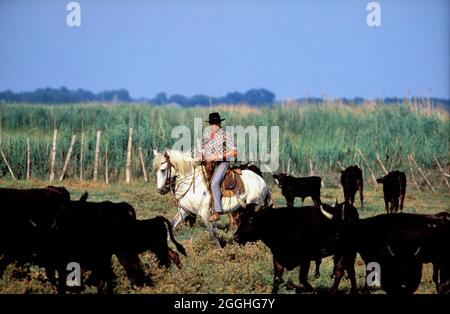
(172,185)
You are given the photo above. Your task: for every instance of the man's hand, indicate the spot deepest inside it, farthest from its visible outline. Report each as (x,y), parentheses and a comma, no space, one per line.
(199,157)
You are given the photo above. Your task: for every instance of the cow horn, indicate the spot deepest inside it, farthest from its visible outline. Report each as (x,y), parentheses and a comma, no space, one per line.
(33,223)
(53,224)
(270,170)
(325,213)
(417,251)
(343,211)
(390,251)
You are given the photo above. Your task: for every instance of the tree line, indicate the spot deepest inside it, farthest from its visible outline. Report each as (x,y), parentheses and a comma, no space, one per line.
(252,97)
(64,95)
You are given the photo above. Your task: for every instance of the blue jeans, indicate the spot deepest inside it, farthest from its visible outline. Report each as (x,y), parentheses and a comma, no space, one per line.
(216,180)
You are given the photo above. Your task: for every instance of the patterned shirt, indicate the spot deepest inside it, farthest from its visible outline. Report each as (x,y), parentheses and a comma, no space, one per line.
(213,146)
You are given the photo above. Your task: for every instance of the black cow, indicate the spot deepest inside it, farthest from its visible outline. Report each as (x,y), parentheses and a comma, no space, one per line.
(352,181)
(292,187)
(394,189)
(28,222)
(35,206)
(151,235)
(295,236)
(89,233)
(438,251)
(44,227)
(400,244)
(111,228)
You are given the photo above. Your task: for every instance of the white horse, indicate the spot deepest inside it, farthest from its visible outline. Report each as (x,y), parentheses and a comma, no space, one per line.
(178,172)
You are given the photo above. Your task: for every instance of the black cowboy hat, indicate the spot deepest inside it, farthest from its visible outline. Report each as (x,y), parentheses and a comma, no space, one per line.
(214,117)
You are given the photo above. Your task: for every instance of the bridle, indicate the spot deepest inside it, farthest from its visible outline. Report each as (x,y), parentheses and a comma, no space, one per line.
(168,183)
(171,184)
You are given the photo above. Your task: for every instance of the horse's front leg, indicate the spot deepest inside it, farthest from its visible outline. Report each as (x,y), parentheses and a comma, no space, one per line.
(205,216)
(179,217)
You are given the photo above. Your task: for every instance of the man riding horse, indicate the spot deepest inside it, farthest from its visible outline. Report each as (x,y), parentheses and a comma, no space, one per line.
(178,172)
(217,147)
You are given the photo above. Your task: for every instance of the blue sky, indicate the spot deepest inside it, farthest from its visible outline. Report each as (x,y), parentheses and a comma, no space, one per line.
(293,48)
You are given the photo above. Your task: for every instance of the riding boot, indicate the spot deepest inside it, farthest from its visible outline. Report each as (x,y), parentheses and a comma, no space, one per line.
(215,217)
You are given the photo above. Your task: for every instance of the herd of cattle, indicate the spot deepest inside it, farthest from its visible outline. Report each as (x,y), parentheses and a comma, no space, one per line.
(45,227)
(397,244)
(394,188)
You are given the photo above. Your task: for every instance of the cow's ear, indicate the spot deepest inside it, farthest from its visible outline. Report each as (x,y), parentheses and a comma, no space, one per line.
(84,197)
(380,180)
(275,176)
(155,152)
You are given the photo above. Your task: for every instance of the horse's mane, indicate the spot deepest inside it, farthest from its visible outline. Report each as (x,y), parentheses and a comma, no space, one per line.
(182,161)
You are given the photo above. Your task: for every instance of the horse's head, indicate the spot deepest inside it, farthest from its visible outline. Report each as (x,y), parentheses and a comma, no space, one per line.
(170,164)
(165,172)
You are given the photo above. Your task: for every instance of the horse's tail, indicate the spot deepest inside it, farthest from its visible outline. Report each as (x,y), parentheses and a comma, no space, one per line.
(179,247)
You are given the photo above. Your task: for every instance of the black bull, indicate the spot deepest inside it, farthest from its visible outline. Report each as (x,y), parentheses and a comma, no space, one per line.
(295,236)
(111,228)
(400,244)
(352,181)
(28,218)
(44,227)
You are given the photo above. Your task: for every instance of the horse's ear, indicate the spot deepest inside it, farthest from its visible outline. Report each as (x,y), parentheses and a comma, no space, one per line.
(155,152)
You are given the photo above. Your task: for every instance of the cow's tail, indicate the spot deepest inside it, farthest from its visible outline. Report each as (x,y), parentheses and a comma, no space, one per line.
(179,247)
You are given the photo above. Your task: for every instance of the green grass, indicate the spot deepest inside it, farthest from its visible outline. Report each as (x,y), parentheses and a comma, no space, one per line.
(236,269)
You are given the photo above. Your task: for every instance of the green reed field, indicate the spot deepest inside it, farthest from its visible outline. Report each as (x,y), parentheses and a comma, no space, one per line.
(325,134)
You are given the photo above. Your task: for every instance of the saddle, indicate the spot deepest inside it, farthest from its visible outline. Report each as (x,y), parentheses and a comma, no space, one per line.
(232,184)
